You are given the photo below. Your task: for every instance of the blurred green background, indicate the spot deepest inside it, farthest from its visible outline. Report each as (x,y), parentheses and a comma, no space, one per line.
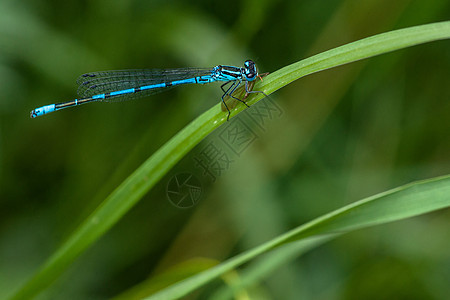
(341,135)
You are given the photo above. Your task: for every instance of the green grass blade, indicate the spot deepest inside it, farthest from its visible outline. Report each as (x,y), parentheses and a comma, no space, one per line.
(151,171)
(361,49)
(400,203)
(265,265)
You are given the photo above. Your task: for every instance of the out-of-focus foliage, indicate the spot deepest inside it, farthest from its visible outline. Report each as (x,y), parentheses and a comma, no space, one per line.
(339,136)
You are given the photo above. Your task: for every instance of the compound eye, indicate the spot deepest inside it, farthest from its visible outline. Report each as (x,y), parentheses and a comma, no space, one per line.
(250,70)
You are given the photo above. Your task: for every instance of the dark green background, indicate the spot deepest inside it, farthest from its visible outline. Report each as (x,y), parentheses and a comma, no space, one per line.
(344,134)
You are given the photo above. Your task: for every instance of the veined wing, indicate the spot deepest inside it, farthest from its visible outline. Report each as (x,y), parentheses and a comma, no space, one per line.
(103,82)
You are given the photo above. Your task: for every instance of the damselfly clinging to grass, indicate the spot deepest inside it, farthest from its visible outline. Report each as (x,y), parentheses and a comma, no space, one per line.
(110,86)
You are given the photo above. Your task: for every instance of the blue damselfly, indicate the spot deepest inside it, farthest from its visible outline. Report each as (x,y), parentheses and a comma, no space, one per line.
(111,86)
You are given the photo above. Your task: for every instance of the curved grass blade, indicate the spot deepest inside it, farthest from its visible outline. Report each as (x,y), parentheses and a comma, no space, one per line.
(397,204)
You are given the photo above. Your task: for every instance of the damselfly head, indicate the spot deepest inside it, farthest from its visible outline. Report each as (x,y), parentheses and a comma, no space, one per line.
(250,70)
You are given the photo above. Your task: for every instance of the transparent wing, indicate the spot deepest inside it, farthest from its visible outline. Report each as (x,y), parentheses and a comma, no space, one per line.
(96,83)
